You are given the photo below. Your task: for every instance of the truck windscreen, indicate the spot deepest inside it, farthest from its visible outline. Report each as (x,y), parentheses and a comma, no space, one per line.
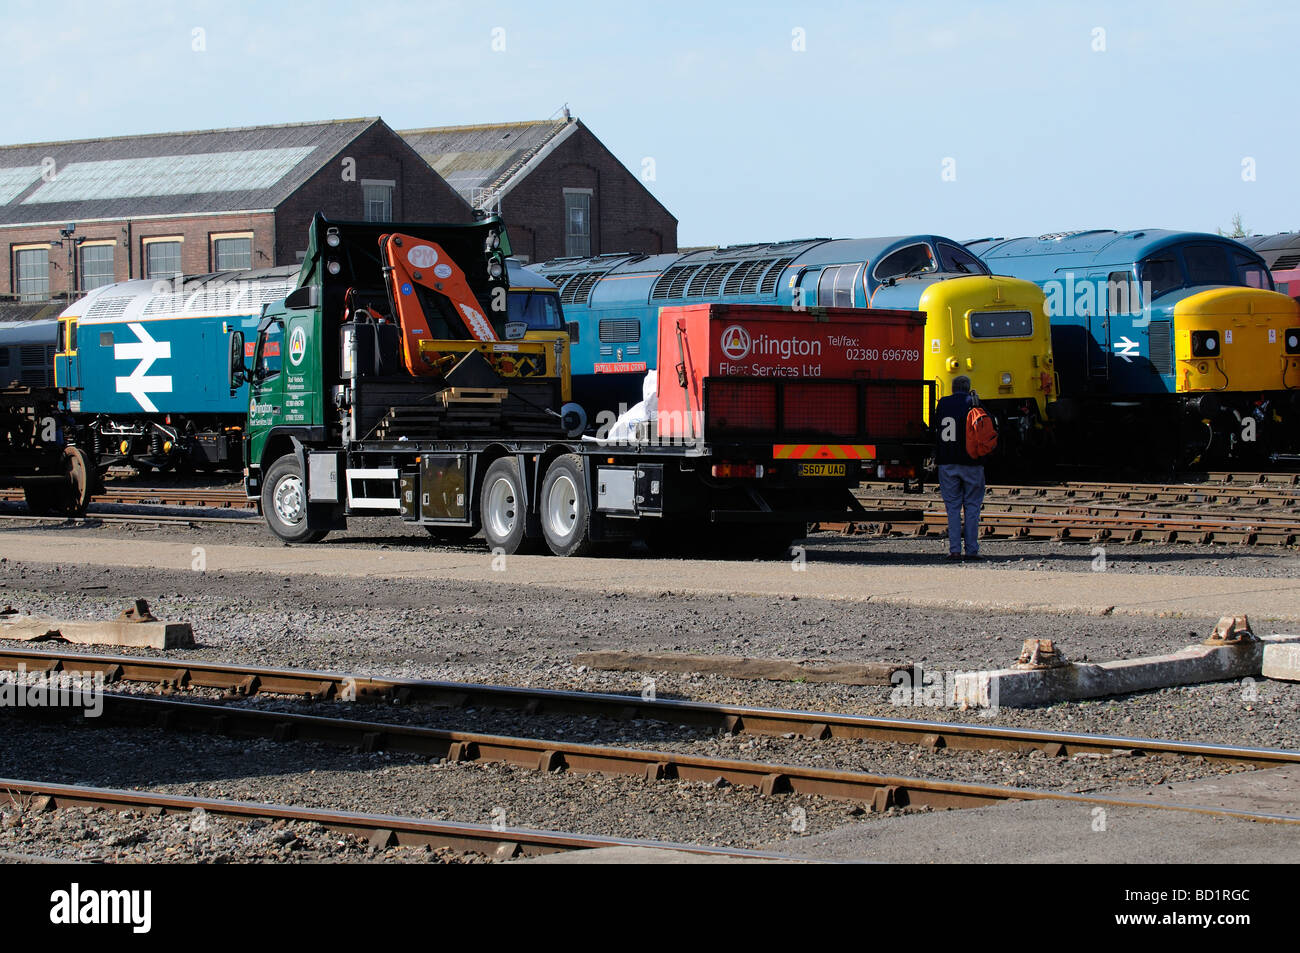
(540,310)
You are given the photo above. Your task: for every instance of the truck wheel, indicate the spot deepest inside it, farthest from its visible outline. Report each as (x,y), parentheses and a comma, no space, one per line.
(284,503)
(501,507)
(565,512)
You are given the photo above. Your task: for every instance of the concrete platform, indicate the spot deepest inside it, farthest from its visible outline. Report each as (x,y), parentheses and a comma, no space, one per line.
(937,585)
(1055,832)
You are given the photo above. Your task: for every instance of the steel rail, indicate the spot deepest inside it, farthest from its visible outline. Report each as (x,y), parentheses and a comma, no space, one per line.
(238,681)
(208,498)
(1087,528)
(382,830)
(92,518)
(880,792)
(1113,509)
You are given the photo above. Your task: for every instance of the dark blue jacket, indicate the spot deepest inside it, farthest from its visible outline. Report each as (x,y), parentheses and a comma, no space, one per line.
(950,421)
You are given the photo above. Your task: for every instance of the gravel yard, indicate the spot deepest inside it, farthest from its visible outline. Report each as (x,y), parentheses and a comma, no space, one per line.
(528,636)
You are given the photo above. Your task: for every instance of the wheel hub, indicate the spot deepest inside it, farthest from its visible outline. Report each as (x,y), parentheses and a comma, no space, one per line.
(562,507)
(501,511)
(289,504)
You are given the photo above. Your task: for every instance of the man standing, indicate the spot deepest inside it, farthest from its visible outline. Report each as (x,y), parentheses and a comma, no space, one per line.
(961,477)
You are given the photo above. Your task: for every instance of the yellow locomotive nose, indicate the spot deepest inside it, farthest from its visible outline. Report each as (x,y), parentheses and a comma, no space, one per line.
(1235,339)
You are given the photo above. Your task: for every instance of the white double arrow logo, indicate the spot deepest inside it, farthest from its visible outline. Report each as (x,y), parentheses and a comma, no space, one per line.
(1126,349)
(139,385)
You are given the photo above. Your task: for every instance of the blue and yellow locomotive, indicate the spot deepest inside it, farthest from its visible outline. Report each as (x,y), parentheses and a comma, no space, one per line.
(1173,340)
(144,362)
(991,329)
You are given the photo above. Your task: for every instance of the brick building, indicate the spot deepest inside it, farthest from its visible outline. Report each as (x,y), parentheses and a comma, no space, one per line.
(560,191)
(197,202)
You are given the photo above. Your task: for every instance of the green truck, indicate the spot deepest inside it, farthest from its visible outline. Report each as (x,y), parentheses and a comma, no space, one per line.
(399,379)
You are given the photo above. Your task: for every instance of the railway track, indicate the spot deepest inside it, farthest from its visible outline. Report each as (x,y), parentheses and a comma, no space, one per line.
(205,497)
(239,681)
(94,518)
(382,830)
(1075,512)
(877,792)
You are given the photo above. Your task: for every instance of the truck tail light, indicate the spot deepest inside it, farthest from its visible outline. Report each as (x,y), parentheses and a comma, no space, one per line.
(896,471)
(738,471)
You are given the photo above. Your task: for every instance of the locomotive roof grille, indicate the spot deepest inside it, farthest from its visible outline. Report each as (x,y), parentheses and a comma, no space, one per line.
(578,291)
(700,280)
(1285,262)
(774,275)
(714,283)
(744,280)
(672,282)
(109,307)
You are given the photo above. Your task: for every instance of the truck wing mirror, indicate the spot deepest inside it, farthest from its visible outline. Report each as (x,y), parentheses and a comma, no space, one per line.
(303,298)
(235,369)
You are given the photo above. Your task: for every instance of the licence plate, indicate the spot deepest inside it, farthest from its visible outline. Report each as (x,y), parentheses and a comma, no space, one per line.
(821,469)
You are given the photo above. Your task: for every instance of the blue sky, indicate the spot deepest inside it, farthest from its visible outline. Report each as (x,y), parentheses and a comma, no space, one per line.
(751,139)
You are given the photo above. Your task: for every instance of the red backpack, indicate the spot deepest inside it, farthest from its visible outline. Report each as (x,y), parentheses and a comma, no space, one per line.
(981,434)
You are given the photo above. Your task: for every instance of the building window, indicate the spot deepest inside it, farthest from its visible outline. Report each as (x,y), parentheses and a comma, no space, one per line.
(577,218)
(96,266)
(32,273)
(162,259)
(232,254)
(377,199)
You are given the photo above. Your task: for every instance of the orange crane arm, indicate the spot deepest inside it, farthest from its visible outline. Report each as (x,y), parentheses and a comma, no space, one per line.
(411,264)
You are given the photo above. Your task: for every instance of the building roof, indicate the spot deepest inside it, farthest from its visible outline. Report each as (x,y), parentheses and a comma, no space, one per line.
(479,160)
(180,173)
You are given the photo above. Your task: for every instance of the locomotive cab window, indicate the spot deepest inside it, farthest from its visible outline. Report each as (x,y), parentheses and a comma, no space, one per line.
(1161,274)
(912,260)
(1208,265)
(67,337)
(1001,324)
(958,261)
(1122,293)
(1251,273)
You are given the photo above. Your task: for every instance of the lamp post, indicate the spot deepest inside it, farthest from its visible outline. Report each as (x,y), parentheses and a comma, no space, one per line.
(72,245)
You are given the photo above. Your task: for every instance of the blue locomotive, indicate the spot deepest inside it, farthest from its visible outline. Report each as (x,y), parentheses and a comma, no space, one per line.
(144,365)
(144,362)
(991,329)
(1166,335)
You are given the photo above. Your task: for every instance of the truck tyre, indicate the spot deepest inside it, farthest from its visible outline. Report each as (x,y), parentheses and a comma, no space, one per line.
(284,503)
(564,508)
(501,507)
